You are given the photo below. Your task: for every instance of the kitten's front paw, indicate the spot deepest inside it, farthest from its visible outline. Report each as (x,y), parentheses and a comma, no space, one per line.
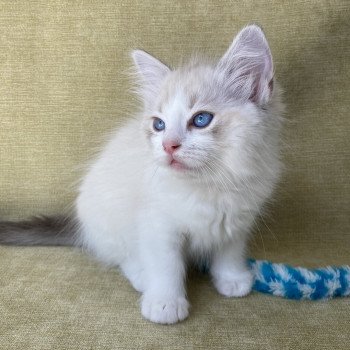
(164,310)
(234,285)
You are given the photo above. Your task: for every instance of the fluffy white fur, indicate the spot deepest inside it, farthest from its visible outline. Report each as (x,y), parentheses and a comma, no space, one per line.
(151,217)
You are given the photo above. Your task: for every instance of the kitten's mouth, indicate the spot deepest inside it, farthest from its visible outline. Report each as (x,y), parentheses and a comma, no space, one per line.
(175,164)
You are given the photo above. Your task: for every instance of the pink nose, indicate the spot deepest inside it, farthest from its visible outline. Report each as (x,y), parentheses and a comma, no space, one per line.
(171,146)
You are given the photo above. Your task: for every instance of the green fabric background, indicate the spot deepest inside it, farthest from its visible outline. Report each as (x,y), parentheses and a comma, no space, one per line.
(64,86)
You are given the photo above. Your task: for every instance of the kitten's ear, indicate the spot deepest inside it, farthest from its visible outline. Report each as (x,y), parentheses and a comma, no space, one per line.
(150,72)
(247,66)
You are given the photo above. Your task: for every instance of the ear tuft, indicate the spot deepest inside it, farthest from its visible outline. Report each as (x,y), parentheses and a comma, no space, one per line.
(247,66)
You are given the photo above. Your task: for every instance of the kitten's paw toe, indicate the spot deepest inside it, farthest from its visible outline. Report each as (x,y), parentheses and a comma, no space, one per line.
(164,310)
(235,285)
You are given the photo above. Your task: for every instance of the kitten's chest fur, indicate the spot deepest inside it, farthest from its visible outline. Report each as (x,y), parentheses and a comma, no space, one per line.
(206,216)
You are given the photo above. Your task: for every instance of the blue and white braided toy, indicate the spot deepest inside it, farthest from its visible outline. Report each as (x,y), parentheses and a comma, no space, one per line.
(300,283)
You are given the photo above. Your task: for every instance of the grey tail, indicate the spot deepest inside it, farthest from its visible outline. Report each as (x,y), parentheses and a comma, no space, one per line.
(40,230)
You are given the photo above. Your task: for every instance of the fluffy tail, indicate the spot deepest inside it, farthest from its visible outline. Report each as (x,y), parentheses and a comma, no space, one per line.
(43,230)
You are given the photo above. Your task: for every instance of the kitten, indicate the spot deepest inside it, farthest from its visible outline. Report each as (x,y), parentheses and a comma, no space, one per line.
(183,181)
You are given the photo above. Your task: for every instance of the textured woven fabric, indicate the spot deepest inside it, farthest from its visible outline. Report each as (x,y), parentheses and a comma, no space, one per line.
(64,85)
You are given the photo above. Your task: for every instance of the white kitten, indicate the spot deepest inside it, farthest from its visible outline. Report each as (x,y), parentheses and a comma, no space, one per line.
(183,181)
(187,177)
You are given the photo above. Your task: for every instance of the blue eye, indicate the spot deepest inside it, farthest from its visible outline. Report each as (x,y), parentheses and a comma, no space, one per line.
(158,124)
(202,119)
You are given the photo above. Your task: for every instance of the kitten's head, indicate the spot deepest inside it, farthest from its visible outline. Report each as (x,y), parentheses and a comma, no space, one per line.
(204,117)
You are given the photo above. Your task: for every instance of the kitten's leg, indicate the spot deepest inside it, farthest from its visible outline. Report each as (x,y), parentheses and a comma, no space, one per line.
(133,271)
(164,298)
(231,275)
